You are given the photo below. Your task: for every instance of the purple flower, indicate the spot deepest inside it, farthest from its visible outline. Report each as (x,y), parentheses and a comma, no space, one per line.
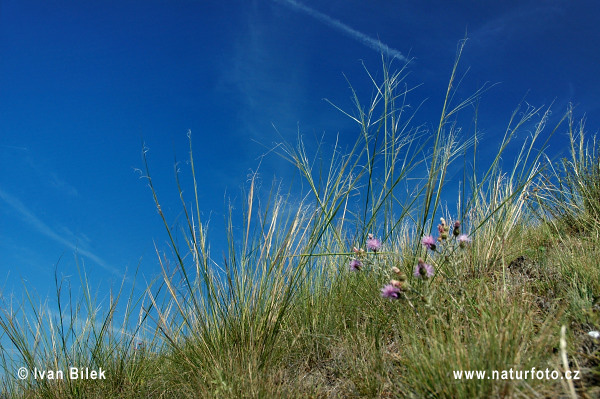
(463,240)
(428,242)
(355,265)
(423,270)
(389,291)
(373,243)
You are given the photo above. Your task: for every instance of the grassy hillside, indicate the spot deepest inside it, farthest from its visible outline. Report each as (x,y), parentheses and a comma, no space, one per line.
(367,286)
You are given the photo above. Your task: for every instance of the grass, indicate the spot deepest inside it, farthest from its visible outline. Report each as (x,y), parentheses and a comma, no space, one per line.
(281,315)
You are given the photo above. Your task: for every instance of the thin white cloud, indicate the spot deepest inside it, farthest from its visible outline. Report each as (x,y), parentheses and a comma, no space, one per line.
(61,185)
(268,89)
(44,229)
(523,21)
(334,23)
(13,147)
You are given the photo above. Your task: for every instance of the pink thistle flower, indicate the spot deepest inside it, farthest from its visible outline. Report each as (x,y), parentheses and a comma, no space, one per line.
(389,291)
(428,242)
(355,265)
(373,243)
(463,240)
(423,270)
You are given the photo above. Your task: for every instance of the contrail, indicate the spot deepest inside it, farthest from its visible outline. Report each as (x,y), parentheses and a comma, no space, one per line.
(44,229)
(334,23)
(14,147)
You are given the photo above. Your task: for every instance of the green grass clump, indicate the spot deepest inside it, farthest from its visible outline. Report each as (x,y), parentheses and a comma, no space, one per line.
(571,190)
(280,313)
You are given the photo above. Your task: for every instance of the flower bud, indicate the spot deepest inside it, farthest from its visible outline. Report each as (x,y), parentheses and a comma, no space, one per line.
(359,252)
(401,285)
(456,230)
(400,274)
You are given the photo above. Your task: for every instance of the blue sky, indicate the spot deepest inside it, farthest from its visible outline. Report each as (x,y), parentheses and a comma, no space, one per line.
(83,83)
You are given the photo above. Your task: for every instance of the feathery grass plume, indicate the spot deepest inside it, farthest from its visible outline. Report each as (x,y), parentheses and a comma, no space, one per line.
(568,195)
(228,316)
(73,331)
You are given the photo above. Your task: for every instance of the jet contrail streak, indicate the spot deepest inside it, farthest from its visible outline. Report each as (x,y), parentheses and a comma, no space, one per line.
(43,228)
(334,23)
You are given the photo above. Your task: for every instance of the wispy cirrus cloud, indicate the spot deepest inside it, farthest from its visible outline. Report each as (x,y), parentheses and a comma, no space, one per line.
(14,147)
(530,18)
(30,218)
(340,26)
